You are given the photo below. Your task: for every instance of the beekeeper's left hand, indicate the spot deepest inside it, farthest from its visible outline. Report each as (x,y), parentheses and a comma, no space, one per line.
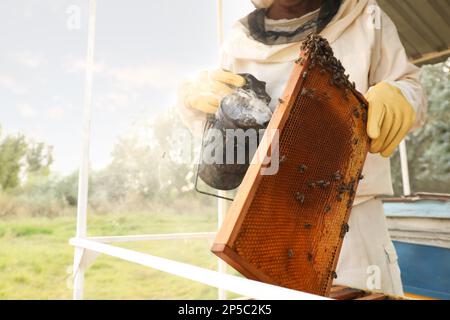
(390,118)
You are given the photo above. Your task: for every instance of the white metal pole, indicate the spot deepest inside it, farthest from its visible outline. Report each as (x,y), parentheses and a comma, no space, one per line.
(156,236)
(222,208)
(405,169)
(239,285)
(83,178)
(220,21)
(222,205)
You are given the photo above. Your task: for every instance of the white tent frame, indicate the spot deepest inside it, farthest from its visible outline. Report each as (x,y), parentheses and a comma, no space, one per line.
(87,249)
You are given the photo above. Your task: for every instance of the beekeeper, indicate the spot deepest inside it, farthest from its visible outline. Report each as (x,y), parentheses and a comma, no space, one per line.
(267,42)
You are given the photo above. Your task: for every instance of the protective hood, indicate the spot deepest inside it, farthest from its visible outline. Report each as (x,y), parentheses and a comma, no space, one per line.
(240,45)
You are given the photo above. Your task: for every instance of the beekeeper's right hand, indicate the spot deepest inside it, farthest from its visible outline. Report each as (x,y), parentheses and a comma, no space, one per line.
(206,92)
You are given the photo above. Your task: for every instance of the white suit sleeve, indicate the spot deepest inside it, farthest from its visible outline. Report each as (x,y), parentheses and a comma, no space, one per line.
(391,64)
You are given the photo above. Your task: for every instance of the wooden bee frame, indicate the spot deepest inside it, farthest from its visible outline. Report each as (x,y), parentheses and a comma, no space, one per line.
(287,229)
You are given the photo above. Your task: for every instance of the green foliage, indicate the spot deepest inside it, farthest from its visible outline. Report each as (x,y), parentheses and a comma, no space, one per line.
(147,168)
(23,231)
(429,147)
(146,171)
(66,188)
(20,159)
(39,158)
(12,151)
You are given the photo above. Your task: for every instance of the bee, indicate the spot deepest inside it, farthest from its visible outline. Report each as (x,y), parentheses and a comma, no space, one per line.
(302,168)
(300,197)
(349,204)
(342,188)
(290,253)
(344,229)
(364,116)
(300,61)
(337,176)
(347,94)
(308,92)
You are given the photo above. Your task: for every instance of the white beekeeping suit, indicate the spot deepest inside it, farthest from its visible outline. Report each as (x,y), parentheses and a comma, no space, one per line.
(366,41)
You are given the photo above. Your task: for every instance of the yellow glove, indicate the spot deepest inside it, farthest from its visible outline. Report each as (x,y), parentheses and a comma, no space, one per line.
(390,118)
(206,92)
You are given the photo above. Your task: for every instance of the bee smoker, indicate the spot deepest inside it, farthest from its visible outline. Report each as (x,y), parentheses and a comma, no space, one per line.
(247,108)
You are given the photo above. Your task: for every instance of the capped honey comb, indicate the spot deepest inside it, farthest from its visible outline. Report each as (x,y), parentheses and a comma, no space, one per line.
(287,229)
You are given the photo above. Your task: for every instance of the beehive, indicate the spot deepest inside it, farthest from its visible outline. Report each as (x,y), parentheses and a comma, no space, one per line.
(287,229)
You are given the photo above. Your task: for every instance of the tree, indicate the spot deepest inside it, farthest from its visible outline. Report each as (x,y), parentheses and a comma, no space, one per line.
(39,158)
(19,158)
(12,151)
(146,165)
(176,146)
(131,171)
(429,147)
(67,188)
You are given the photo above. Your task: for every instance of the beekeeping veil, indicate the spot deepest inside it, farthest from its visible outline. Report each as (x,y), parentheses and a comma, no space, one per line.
(313,22)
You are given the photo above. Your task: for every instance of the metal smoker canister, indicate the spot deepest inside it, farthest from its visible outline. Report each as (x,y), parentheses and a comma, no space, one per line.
(247,108)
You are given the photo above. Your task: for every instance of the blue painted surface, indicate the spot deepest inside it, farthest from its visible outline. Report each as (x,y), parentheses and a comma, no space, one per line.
(422,208)
(425,269)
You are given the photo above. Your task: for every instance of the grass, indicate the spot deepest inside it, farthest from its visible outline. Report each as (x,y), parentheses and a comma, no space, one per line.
(23,231)
(36,260)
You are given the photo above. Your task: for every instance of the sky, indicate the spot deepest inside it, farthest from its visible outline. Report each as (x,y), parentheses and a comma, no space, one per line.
(143,50)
